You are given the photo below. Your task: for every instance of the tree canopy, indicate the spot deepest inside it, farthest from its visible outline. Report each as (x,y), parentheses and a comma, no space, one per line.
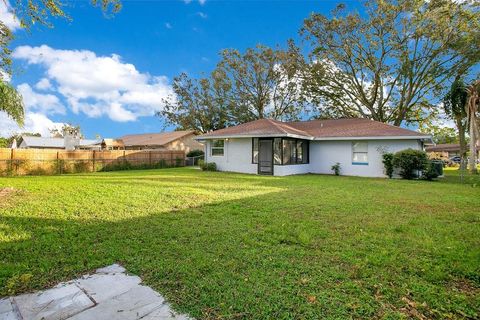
(387,63)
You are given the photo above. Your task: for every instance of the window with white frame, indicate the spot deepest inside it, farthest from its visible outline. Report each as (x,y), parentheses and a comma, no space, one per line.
(217,147)
(360,152)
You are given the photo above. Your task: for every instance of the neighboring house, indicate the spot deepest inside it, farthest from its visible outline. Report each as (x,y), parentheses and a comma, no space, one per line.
(28,142)
(449,150)
(283,148)
(175,140)
(112,144)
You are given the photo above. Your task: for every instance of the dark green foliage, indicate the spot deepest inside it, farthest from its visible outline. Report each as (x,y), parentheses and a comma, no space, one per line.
(336,169)
(433,170)
(125,165)
(409,162)
(195,153)
(210,166)
(388,163)
(178,162)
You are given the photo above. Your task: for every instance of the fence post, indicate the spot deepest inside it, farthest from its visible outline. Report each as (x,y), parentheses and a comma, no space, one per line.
(150,158)
(58,165)
(93,162)
(11,161)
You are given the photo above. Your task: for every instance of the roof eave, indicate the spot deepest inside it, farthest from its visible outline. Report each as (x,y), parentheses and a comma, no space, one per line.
(231,136)
(418,137)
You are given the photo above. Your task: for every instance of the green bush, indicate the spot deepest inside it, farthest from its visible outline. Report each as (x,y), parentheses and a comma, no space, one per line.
(409,161)
(195,153)
(433,170)
(336,168)
(388,164)
(211,166)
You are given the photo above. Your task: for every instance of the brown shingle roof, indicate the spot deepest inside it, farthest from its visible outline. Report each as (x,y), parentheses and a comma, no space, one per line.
(153,139)
(315,129)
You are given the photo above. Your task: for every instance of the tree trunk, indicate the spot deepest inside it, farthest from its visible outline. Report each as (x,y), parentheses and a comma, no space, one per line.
(463,143)
(473,149)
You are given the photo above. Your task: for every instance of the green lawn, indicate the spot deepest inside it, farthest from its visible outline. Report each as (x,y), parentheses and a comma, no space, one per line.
(232,246)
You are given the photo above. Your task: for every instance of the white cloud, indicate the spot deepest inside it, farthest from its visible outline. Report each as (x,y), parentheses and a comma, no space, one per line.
(168,25)
(92,84)
(34,123)
(43,84)
(202,15)
(7,17)
(39,102)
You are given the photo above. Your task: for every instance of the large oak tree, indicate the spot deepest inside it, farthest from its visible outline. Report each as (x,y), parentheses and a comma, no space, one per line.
(389,62)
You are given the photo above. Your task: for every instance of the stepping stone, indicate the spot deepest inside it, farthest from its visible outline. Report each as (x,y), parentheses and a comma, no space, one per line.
(7,310)
(58,303)
(136,303)
(101,287)
(114,268)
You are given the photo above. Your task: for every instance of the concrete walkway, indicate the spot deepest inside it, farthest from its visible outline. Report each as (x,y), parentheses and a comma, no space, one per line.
(107,294)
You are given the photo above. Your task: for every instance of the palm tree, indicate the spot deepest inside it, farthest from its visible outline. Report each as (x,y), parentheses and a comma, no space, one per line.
(472,109)
(454,104)
(11,102)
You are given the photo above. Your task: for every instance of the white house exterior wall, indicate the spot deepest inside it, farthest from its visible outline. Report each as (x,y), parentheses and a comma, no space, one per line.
(237,156)
(323,154)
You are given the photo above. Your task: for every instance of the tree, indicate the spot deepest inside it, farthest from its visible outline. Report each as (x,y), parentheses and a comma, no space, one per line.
(199,104)
(30,12)
(264,83)
(387,63)
(473,117)
(66,130)
(454,104)
(11,102)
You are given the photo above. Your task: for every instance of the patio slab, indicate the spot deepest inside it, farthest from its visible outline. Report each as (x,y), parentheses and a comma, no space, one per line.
(110,293)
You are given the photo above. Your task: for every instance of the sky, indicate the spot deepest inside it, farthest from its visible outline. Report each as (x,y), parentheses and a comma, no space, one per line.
(109,74)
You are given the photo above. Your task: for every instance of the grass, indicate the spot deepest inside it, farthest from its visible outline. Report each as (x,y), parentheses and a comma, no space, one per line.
(232,246)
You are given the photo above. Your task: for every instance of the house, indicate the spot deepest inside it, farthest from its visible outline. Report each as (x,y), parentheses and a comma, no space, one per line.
(448,150)
(29,142)
(175,140)
(283,148)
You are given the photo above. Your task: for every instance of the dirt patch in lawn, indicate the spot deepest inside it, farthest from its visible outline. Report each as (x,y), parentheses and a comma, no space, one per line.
(6,193)
(466,287)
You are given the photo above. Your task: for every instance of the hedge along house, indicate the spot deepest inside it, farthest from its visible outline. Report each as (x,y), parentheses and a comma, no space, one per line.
(278,148)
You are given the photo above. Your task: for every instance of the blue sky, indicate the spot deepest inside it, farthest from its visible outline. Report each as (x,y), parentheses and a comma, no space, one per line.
(108,74)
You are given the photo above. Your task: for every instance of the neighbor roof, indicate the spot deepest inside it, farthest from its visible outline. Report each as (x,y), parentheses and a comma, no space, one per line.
(153,139)
(57,143)
(338,129)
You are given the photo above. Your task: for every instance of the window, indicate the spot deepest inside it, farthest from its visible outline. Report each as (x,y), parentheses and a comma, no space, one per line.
(289,151)
(359,152)
(217,147)
(302,151)
(286,151)
(255,150)
(277,151)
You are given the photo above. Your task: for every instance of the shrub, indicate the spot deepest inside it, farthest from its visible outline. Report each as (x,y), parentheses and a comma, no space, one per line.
(388,164)
(336,169)
(433,170)
(201,163)
(178,162)
(211,166)
(195,153)
(409,161)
